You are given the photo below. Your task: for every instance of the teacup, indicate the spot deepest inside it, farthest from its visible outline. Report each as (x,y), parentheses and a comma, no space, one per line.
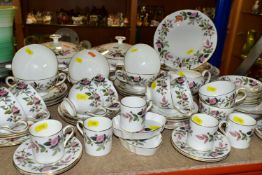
(221,94)
(11,112)
(48,139)
(42,86)
(219,113)
(195,79)
(181,95)
(83,97)
(239,129)
(159,92)
(31,102)
(134,78)
(132,113)
(202,130)
(106,90)
(97,132)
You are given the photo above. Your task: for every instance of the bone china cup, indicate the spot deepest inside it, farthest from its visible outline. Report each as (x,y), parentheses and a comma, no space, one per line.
(221,94)
(11,112)
(97,132)
(202,130)
(239,129)
(48,139)
(42,86)
(30,100)
(132,113)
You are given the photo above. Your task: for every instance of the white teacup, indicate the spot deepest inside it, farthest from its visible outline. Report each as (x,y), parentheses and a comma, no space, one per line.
(159,92)
(133,110)
(31,102)
(202,130)
(48,140)
(221,94)
(239,129)
(97,132)
(11,112)
(42,86)
(195,79)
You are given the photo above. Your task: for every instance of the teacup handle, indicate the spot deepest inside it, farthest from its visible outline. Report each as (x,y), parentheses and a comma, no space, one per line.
(118,73)
(61,77)
(149,106)
(69,107)
(243,90)
(6,128)
(114,107)
(220,126)
(207,74)
(10,79)
(80,125)
(68,136)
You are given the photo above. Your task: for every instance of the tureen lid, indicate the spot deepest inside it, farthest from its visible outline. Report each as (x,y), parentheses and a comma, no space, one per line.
(62,49)
(115,50)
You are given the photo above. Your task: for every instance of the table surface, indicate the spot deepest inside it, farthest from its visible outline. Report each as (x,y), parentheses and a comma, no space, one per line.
(121,161)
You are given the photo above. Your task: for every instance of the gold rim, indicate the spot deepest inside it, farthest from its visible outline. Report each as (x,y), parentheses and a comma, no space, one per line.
(13,143)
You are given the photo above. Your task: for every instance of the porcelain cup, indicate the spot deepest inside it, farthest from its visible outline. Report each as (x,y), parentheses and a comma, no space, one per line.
(135,78)
(201,133)
(221,94)
(11,112)
(97,132)
(31,102)
(195,79)
(239,129)
(42,86)
(107,92)
(160,92)
(220,113)
(132,113)
(48,139)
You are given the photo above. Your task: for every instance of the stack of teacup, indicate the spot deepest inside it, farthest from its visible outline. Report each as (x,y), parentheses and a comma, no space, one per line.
(219,98)
(141,66)
(139,130)
(36,65)
(20,106)
(89,98)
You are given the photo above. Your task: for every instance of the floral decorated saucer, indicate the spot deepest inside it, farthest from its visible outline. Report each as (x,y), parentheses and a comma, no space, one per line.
(55,94)
(219,152)
(258,129)
(24,161)
(4,142)
(125,89)
(154,125)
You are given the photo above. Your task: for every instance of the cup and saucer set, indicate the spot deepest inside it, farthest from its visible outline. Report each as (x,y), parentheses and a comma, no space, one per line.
(51,149)
(20,106)
(138,130)
(90,98)
(40,70)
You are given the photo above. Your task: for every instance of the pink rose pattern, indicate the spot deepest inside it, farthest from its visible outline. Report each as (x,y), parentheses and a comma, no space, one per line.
(25,158)
(225,102)
(98,140)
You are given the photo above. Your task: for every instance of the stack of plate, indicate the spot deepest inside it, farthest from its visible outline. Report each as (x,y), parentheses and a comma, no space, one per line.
(126,89)
(253,101)
(56,94)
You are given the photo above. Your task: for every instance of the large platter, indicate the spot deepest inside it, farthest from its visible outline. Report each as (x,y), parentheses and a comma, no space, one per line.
(185,39)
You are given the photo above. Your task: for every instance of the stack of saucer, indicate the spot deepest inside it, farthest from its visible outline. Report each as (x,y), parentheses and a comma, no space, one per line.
(56,94)
(253,101)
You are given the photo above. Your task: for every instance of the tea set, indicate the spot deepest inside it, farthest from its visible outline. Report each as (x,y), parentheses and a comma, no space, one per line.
(208,114)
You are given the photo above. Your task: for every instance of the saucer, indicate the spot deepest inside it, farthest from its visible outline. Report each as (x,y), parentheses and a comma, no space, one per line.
(173,124)
(24,161)
(7,134)
(4,142)
(219,152)
(250,109)
(55,92)
(154,125)
(126,90)
(173,114)
(258,129)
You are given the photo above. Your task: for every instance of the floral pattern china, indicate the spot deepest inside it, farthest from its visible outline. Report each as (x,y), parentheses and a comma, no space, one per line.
(258,129)
(174,35)
(219,152)
(98,141)
(24,161)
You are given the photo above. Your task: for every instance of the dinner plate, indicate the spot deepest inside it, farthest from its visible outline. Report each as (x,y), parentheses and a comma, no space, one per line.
(185,39)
